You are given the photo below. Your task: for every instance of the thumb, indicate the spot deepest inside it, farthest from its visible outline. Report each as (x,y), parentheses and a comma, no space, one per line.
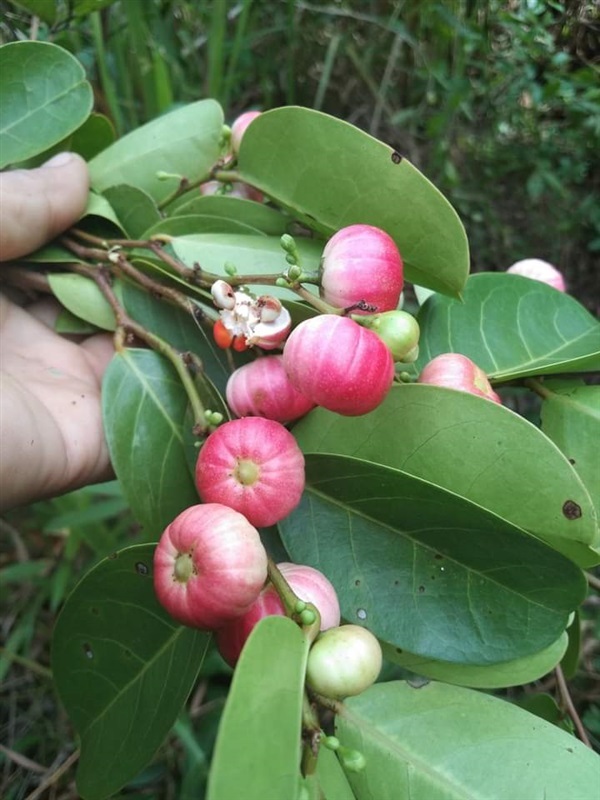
(38,204)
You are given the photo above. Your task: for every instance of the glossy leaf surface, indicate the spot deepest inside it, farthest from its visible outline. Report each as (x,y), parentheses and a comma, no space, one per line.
(511,327)
(114,637)
(442,742)
(82,297)
(331,174)
(45,97)
(256,215)
(143,406)
(426,570)
(257,753)
(134,208)
(250,255)
(184,142)
(475,448)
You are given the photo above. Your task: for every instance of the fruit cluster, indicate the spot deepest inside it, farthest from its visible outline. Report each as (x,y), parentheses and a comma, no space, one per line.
(211,569)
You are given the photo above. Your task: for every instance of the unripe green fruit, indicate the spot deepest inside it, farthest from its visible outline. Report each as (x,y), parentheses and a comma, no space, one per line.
(399,330)
(343,661)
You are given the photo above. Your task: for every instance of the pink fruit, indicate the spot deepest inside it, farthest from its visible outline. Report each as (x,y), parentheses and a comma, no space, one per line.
(307,583)
(338,364)
(343,662)
(263,389)
(209,566)
(539,270)
(238,128)
(456,371)
(254,466)
(362,263)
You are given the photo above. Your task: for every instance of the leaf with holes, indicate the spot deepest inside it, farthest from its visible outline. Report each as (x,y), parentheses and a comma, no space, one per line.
(424,569)
(331,174)
(439,742)
(45,97)
(570,416)
(113,635)
(143,406)
(511,327)
(475,448)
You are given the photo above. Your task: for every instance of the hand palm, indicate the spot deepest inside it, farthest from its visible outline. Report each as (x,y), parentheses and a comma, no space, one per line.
(51,385)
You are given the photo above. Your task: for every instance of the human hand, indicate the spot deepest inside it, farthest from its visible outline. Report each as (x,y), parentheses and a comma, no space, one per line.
(50,416)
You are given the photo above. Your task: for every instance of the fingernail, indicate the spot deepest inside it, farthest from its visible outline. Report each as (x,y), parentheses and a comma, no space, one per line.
(59,160)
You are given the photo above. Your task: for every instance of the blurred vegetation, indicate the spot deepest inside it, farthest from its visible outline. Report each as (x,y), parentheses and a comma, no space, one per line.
(497,102)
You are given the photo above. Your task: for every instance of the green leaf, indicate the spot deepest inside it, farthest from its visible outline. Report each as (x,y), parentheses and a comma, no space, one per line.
(199,224)
(426,570)
(82,297)
(123,669)
(251,255)
(442,742)
(256,215)
(570,416)
(179,329)
(257,753)
(68,324)
(136,211)
(474,448)
(45,97)
(509,673)
(331,779)
(46,10)
(184,142)
(96,134)
(98,206)
(511,327)
(143,406)
(331,174)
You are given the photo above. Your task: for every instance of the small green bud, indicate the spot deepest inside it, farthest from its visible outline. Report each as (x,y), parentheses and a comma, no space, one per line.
(299,607)
(230,268)
(352,760)
(294,273)
(288,243)
(307,617)
(282,283)
(331,742)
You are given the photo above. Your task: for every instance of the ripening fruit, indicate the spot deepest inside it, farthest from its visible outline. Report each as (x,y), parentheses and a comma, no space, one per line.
(262,389)
(307,583)
(539,270)
(338,364)
(361,263)
(397,329)
(343,662)
(238,128)
(254,466)
(209,566)
(456,371)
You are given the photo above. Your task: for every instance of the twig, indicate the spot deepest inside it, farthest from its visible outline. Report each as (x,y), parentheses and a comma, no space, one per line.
(593,581)
(54,776)
(569,705)
(32,666)
(21,760)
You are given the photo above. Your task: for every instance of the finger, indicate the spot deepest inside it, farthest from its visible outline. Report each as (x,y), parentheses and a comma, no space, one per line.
(38,204)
